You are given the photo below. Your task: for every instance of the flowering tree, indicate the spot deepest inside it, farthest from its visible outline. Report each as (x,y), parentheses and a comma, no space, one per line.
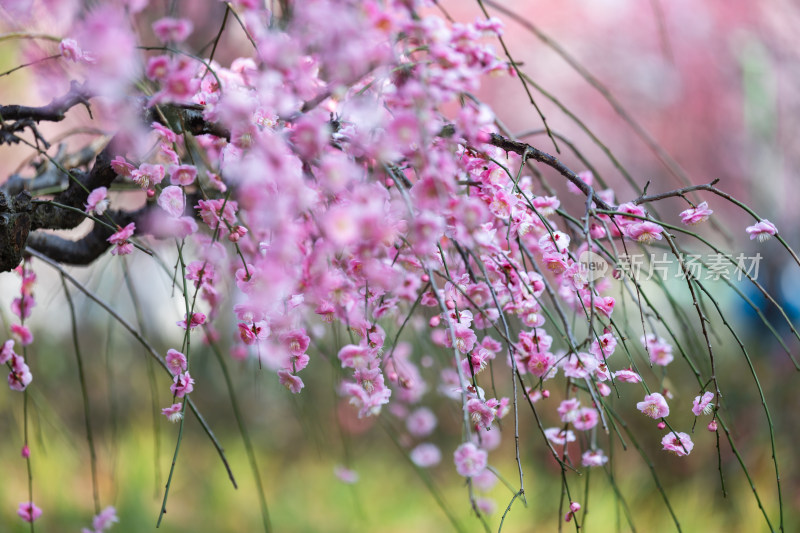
(338,190)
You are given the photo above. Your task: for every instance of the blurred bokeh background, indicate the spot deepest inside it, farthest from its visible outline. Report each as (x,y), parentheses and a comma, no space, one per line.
(715,83)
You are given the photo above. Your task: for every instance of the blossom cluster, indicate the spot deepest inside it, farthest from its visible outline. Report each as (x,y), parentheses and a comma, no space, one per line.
(20,376)
(348,183)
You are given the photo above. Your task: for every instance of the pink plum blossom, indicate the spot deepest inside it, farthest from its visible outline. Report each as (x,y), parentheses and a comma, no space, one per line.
(555,242)
(426,455)
(28,511)
(703,405)
(23,306)
(568,409)
(120,240)
(201,272)
(122,167)
(296,341)
(502,203)
(696,215)
(20,376)
(486,505)
(356,356)
(659,349)
(165,133)
(480,413)
(644,231)
(338,170)
(237,232)
(176,361)
(254,332)
(604,305)
(574,507)
(654,406)
(602,373)
(299,362)
(546,205)
(180,228)
(182,385)
(762,231)
(291,381)
(485,481)
(182,174)
(593,458)
(586,418)
(97,201)
(470,460)
(631,209)
(104,520)
(476,361)
(597,231)
(465,338)
(174,412)
(198,319)
(157,68)
(172,200)
(558,436)
(421,422)
(603,346)
(678,443)
(7,351)
(178,85)
(69,50)
(369,392)
(541,363)
(170,30)
(580,365)
(345,475)
(627,376)
(487,439)
(213,211)
(148,175)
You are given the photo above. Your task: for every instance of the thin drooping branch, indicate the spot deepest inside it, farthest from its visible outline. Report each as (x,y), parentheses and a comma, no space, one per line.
(152,351)
(677,192)
(710,187)
(666,159)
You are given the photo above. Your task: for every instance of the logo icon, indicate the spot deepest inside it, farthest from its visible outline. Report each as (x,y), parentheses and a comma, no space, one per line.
(592,265)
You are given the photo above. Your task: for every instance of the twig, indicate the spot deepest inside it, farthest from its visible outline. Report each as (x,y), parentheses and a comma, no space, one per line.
(160,360)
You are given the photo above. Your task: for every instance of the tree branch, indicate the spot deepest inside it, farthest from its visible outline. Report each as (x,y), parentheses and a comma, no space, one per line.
(526,150)
(55,111)
(677,192)
(188,117)
(85,250)
(15,223)
(46,216)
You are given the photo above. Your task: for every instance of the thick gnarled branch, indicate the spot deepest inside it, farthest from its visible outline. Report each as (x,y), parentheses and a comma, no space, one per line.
(15,223)
(86,250)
